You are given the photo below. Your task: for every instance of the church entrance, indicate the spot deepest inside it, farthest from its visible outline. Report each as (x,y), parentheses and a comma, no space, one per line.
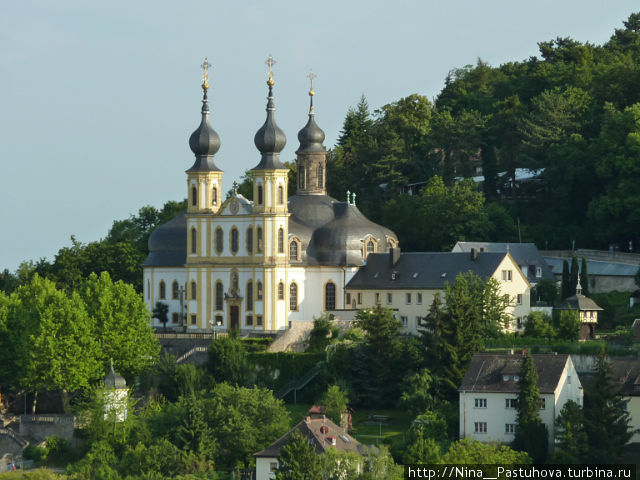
(235,317)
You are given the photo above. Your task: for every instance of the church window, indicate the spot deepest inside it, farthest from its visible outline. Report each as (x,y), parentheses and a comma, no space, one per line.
(249,320)
(259,285)
(175,290)
(234,240)
(250,240)
(293,297)
(259,320)
(371,247)
(194,319)
(174,318)
(293,250)
(249,296)
(320,177)
(219,295)
(330,296)
(259,239)
(260,195)
(214,196)
(163,290)
(219,240)
(281,291)
(301,177)
(193,290)
(281,240)
(280,195)
(194,196)
(194,241)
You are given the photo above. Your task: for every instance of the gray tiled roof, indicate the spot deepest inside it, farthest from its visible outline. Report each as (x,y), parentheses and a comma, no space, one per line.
(422,270)
(613,269)
(578,302)
(485,372)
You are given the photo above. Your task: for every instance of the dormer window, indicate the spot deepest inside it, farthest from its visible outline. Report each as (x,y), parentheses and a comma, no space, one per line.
(506,378)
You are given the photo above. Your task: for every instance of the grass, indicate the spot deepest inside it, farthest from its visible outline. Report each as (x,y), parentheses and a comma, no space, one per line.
(297,412)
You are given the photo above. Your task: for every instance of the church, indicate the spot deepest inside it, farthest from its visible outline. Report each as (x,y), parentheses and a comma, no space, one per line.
(258,266)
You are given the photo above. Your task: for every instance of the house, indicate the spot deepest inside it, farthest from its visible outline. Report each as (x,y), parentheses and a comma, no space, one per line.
(408,282)
(527,256)
(488,394)
(322,434)
(587,310)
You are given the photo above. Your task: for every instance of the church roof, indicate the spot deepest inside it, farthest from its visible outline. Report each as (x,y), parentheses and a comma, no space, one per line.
(168,244)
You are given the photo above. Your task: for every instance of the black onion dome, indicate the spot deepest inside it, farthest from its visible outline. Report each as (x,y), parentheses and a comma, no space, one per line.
(270,139)
(311,137)
(204,142)
(168,244)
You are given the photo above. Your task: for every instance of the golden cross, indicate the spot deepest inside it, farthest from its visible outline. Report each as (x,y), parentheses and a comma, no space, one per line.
(270,62)
(205,76)
(311,76)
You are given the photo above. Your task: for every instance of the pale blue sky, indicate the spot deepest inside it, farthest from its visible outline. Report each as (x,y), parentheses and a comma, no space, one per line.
(99,98)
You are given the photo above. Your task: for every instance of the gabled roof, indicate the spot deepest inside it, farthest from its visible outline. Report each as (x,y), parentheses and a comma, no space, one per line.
(422,270)
(525,255)
(626,373)
(578,302)
(485,372)
(317,431)
(596,267)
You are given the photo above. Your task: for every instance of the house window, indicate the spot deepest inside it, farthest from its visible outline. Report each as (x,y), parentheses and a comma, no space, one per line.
(281,291)
(194,319)
(194,240)
(273,466)
(293,250)
(480,402)
(301,177)
(509,428)
(359,298)
(249,240)
(259,288)
(320,177)
(249,296)
(389,298)
(219,295)
(543,403)
(219,240)
(174,318)
(507,275)
(519,299)
(293,297)
(249,321)
(194,290)
(219,320)
(280,195)
(418,320)
(280,240)
(510,403)
(348,299)
(260,199)
(419,298)
(163,290)
(175,290)
(377,298)
(516,378)
(569,379)
(330,296)
(259,239)
(405,321)
(214,196)
(519,322)
(480,427)
(194,196)
(408,299)
(538,272)
(234,240)
(259,320)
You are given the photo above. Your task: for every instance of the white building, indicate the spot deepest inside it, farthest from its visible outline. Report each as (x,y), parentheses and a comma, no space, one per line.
(258,265)
(489,392)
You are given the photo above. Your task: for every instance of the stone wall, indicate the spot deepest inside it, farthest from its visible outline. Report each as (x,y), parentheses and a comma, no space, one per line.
(39,427)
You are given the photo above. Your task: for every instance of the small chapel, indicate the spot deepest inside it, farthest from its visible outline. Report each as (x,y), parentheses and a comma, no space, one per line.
(258,266)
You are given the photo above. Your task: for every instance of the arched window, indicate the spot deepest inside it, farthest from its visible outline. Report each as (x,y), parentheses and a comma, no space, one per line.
(260,199)
(214,196)
(330,296)
(219,240)
(194,291)
(148,289)
(194,196)
(250,240)
(281,240)
(259,239)
(234,240)
(281,291)
(293,297)
(219,295)
(280,195)
(163,290)
(293,250)
(320,176)
(259,285)
(175,290)
(371,247)
(301,177)
(249,296)
(194,240)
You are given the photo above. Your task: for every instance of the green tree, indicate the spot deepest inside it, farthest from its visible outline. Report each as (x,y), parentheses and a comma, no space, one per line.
(334,400)
(161,312)
(425,439)
(568,325)
(228,361)
(417,390)
(566,281)
(572,441)
(322,334)
(467,451)
(380,466)
(573,276)
(298,460)
(546,291)
(196,437)
(584,277)
(339,465)
(539,326)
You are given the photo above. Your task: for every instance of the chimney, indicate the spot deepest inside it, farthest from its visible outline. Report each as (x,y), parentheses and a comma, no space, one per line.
(474,254)
(394,255)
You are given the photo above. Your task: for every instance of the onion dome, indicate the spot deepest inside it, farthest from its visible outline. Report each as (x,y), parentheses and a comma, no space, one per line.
(311,136)
(168,244)
(270,139)
(204,141)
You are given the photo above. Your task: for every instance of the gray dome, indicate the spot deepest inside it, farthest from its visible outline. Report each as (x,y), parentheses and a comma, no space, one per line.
(168,244)
(311,137)
(204,142)
(113,380)
(270,139)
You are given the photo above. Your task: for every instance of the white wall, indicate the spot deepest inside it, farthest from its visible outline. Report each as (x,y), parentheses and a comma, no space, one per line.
(263,468)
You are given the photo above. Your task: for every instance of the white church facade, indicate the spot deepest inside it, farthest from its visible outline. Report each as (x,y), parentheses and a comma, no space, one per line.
(258,265)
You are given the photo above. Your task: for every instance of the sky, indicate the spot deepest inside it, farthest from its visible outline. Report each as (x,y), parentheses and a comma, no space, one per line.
(98,98)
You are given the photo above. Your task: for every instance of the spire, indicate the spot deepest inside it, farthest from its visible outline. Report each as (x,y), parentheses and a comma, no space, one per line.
(578,287)
(204,141)
(269,139)
(311,136)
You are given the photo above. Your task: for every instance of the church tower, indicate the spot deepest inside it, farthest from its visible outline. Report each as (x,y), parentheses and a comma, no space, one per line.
(204,178)
(311,156)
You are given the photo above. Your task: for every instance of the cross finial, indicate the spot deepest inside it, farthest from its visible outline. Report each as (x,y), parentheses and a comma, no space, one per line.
(205,76)
(311,76)
(270,63)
